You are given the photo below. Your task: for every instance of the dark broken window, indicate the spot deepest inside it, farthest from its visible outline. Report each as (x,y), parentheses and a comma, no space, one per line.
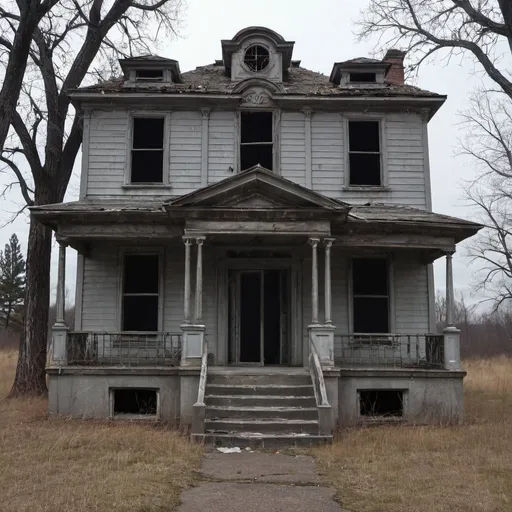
(140,292)
(149,75)
(147,150)
(370,287)
(381,402)
(256,141)
(362,77)
(364,153)
(135,401)
(256,57)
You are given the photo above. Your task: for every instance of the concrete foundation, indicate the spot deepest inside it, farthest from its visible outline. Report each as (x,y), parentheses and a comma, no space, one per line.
(429,396)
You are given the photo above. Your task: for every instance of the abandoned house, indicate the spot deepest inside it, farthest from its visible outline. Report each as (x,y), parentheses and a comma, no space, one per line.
(255,245)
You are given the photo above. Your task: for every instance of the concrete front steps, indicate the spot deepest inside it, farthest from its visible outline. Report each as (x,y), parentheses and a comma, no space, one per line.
(260,408)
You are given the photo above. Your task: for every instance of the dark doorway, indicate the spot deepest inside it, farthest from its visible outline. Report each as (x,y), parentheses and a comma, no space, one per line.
(259,317)
(272,316)
(250,317)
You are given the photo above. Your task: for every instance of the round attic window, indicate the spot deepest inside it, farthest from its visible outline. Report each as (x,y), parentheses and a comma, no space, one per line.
(256,57)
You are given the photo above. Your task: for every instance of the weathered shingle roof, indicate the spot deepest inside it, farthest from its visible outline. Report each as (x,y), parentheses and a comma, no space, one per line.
(381,212)
(212,79)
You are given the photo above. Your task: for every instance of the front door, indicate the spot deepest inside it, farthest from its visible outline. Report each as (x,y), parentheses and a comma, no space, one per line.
(259,317)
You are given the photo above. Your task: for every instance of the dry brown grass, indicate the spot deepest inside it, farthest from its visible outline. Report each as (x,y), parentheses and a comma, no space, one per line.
(64,465)
(424,469)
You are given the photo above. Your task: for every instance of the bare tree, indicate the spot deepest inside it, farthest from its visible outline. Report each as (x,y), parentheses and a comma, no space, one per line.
(479,29)
(72,40)
(29,14)
(488,140)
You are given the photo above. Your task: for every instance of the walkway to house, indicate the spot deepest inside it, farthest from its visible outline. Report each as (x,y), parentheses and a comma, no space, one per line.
(255,481)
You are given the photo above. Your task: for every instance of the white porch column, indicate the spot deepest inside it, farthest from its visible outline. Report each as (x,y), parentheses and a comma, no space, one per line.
(314,279)
(449,289)
(321,336)
(187,291)
(451,333)
(199,280)
(328,302)
(60,329)
(192,340)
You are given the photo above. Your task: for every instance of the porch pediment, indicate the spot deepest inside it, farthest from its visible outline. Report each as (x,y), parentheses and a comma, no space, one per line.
(257,189)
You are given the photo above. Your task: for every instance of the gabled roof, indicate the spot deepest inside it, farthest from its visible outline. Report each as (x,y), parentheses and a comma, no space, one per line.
(257,188)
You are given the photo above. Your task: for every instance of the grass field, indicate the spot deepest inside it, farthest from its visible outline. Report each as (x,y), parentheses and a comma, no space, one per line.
(432,469)
(74,466)
(64,465)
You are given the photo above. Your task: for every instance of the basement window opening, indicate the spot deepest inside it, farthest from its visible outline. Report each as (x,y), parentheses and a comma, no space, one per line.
(135,402)
(147,150)
(370,289)
(141,278)
(363,77)
(364,153)
(256,140)
(149,75)
(256,57)
(386,403)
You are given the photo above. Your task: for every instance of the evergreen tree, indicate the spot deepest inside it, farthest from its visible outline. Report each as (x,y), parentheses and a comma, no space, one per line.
(12,281)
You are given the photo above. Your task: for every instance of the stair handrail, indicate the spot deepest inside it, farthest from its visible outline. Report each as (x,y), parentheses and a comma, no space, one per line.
(202,377)
(317,376)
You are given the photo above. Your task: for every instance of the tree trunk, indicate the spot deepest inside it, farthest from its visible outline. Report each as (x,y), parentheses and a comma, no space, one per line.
(30,372)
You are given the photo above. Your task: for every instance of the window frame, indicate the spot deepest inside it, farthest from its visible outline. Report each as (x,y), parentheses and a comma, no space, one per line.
(166,116)
(390,295)
(141,251)
(276,117)
(381,119)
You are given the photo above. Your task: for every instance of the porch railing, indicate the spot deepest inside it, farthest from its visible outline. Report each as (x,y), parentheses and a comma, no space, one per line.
(389,350)
(124,348)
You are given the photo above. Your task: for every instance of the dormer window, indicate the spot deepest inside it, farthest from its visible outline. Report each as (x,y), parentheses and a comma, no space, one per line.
(256,57)
(149,75)
(363,78)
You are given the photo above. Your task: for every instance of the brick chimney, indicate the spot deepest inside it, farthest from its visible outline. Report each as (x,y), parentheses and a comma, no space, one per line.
(395,75)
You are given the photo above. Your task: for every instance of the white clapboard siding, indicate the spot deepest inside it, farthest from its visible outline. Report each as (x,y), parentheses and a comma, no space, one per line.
(411,294)
(107,152)
(185,152)
(100,297)
(100,289)
(292,151)
(221,145)
(405,159)
(327,153)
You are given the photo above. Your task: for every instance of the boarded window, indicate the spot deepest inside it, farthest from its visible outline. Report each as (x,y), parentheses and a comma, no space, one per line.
(381,402)
(147,150)
(364,153)
(362,77)
(370,287)
(133,401)
(140,292)
(256,140)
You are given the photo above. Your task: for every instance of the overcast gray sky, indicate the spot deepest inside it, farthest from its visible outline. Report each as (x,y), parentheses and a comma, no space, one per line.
(323,34)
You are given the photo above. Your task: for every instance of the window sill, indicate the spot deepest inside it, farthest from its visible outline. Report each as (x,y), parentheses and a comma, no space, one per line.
(145,186)
(367,188)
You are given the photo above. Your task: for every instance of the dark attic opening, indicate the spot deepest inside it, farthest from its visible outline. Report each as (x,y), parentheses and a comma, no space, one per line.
(381,402)
(150,75)
(142,402)
(256,140)
(362,77)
